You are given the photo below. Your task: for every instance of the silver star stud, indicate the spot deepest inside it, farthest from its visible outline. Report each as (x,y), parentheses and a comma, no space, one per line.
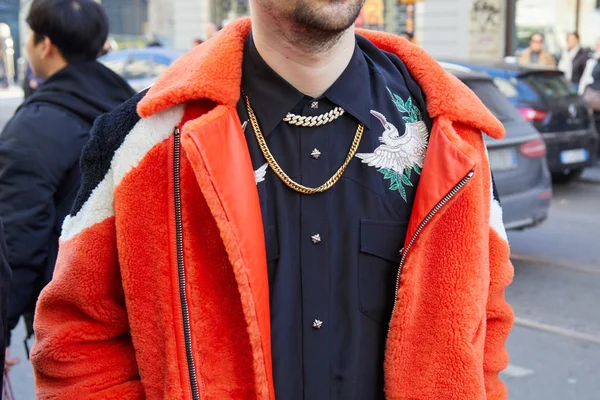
(315,154)
(314,105)
(316,238)
(317,324)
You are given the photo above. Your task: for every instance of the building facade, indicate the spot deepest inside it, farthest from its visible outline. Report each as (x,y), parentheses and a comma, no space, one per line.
(463,29)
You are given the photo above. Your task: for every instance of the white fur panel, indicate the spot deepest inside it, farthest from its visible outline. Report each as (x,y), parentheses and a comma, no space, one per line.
(146,134)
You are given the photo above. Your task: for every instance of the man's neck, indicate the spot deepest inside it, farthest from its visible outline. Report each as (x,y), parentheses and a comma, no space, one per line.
(54,67)
(310,71)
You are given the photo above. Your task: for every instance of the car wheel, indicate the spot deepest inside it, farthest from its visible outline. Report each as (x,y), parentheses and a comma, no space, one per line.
(567,177)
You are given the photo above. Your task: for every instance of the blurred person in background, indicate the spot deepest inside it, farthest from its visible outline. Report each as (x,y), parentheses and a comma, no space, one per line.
(587,77)
(41,145)
(573,59)
(592,94)
(536,54)
(194,265)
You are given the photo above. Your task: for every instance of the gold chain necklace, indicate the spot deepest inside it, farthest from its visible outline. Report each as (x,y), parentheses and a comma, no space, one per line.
(281,174)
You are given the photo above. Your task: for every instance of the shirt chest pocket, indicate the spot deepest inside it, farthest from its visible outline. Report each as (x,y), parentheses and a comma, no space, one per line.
(378,264)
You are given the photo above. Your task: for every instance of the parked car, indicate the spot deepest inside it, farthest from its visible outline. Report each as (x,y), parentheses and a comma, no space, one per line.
(518,161)
(140,67)
(546,99)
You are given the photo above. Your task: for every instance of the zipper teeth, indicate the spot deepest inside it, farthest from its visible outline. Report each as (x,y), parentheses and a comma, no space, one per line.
(181,270)
(429,216)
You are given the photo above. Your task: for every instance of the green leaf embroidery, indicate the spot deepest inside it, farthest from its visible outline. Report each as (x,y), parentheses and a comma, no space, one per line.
(406,107)
(397,181)
(405,180)
(417,169)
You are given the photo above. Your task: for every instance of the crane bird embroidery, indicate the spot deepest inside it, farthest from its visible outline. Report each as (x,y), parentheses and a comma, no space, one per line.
(399,155)
(261,173)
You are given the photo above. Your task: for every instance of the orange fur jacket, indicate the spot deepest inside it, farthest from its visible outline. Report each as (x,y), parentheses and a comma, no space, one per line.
(161,290)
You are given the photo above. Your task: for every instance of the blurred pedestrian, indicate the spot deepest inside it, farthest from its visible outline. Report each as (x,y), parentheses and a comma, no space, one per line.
(536,54)
(591,94)
(154,41)
(587,78)
(573,59)
(41,145)
(291,211)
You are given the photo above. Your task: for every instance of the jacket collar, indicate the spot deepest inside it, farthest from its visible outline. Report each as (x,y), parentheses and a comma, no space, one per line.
(213,71)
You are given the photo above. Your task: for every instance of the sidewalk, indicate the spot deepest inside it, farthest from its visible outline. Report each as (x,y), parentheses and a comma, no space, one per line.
(591,174)
(12,92)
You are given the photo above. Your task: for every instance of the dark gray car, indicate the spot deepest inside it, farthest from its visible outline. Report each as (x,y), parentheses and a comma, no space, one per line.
(518,161)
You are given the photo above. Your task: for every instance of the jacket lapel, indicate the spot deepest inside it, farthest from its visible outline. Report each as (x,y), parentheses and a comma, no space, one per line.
(217,149)
(448,161)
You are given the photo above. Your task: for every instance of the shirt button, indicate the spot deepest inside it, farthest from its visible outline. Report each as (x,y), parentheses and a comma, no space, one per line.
(315,154)
(314,105)
(317,324)
(316,239)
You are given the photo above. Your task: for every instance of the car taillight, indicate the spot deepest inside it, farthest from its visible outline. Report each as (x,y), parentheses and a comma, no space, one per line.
(533,149)
(531,114)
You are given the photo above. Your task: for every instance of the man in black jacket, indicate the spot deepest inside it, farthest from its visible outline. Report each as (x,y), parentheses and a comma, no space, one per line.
(41,145)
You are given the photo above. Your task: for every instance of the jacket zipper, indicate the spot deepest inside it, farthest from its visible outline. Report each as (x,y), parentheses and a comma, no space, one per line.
(181,266)
(428,218)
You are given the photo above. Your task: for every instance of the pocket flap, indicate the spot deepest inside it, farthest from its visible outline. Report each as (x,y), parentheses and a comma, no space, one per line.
(383,239)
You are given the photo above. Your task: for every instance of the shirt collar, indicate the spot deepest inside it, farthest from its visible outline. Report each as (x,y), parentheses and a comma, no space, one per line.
(272,97)
(352,90)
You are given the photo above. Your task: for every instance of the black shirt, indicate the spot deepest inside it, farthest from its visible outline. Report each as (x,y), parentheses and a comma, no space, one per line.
(333,257)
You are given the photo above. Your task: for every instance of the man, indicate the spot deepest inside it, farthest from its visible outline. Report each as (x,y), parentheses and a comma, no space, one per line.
(573,59)
(293,211)
(41,145)
(535,54)
(587,78)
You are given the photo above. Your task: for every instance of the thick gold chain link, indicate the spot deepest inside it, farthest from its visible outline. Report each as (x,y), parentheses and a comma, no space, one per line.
(281,174)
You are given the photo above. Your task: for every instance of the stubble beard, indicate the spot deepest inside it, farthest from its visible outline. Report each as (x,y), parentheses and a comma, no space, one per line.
(318,33)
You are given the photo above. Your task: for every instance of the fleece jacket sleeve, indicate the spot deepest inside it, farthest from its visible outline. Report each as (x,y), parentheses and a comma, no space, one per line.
(500,316)
(83,347)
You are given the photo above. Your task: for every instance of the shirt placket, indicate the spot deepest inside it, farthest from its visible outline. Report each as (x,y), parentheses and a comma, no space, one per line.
(315,239)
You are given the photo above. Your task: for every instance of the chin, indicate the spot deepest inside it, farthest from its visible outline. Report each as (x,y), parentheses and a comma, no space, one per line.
(328,15)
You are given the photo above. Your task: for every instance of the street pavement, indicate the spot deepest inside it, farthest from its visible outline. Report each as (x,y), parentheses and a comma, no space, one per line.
(555,344)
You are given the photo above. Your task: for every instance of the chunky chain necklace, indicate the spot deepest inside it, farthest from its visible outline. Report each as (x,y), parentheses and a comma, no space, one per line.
(281,174)
(317,120)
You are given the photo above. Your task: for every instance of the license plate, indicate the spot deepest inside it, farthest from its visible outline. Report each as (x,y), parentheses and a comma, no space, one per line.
(502,160)
(574,156)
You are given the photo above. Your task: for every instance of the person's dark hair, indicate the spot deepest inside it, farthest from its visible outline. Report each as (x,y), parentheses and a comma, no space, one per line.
(576,34)
(78,28)
(536,34)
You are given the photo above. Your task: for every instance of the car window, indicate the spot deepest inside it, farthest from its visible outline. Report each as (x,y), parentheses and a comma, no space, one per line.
(493,99)
(506,87)
(161,64)
(138,67)
(114,61)
(549,84)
